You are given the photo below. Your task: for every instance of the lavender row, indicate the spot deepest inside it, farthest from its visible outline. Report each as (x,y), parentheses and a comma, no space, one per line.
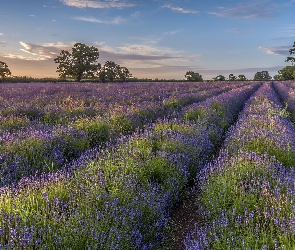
(247,193)
(114,198)
(287,95)
(43,148)
(219,111)
(61,103)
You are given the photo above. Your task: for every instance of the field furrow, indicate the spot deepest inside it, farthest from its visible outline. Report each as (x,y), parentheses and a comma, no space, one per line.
(118,197)
(45,142)
(247,193)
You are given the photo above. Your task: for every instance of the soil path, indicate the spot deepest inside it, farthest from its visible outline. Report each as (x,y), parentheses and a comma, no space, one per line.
(182,220)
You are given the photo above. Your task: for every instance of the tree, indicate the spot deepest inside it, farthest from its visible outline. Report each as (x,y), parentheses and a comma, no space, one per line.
(287,73)
(262,76)
(82,62)
(193,77)
(124,74)
(4,70)
(111,71)
(219,78)
(291,58)
(232,77)
(241,78)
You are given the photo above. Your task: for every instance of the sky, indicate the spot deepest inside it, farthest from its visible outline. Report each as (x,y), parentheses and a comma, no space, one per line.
(152,38)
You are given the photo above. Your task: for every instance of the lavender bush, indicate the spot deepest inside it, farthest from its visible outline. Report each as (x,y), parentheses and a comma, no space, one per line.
(287,95)
(62,121)
(247,193)
(115,197)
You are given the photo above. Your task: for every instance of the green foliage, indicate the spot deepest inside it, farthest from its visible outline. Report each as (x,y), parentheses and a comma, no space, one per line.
(111,71)
(4,70)
(248,204)
(232,77)
(82,62)
(241,78)
(122,123)
(287,73)
(219,78)
(33,151)
(13,122)
(172,102)
(291,58)
(97,130)
(193,77)
(262,76)
(195,114)
(262,145)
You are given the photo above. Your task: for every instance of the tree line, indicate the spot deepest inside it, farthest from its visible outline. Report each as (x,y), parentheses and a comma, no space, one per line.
(82,63)
(286,73)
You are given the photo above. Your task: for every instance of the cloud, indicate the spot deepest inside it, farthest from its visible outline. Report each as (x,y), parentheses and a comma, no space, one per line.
(242,70)
(240,31)
(136,14)
(39,52)
(98,4)
(276,50)
(24,67)
(142,55)
(115,21)
(21,57)
(1,34)
(259,10)
(150,57)
(139,49)
(136,55)
(173,32)
(180,10)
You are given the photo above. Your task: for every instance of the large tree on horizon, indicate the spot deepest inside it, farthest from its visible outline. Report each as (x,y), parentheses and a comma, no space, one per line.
(4,70)
(82,62)
(287,73)
(111,71)
(291,58)
(262,76)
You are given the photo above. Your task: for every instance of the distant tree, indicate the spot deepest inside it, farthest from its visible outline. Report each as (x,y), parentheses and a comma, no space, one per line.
(124,74)
(262,76)
(232,77)
(241,78)
(4,70)
(193,77)
(108,72)
(287,73)
(291,58)
(219,78)
(111,71)
(276,77)
(82,62)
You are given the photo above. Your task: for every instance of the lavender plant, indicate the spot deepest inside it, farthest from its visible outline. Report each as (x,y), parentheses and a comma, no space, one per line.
(72,125)
(115,197)
(287,95)
(247,192)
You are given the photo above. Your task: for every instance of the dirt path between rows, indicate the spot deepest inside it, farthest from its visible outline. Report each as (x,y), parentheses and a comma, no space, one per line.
(182,220)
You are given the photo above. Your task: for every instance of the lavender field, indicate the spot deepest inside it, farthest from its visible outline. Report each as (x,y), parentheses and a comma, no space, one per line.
(102,166)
